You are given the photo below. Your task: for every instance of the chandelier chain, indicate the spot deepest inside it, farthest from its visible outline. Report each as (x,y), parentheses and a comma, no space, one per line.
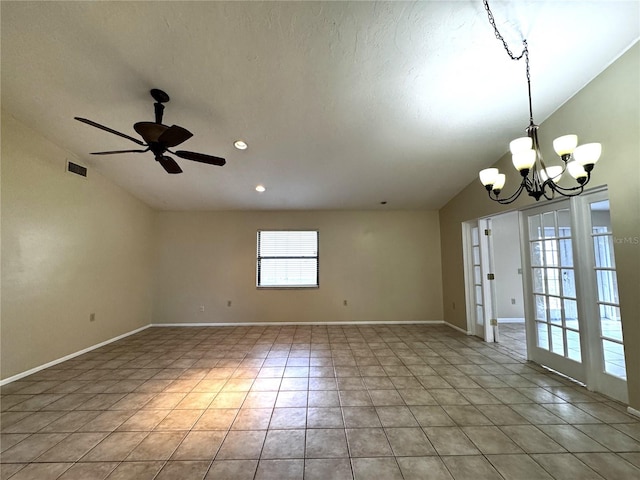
(525,53)
(500,37)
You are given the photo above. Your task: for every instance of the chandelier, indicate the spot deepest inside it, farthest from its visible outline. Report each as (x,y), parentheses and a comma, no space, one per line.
(538,179)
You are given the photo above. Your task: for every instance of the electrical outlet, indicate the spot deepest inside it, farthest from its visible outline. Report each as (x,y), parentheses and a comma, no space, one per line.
(513,301)
(228,303)
(92,317)
(344,302)
(202,308)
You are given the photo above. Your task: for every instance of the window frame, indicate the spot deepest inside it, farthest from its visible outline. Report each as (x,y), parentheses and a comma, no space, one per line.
(259,258)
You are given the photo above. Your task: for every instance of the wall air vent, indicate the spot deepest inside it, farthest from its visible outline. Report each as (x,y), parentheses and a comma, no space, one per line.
(77,169)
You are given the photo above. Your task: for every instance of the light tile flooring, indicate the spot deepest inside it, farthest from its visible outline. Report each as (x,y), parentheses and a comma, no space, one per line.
(310,402)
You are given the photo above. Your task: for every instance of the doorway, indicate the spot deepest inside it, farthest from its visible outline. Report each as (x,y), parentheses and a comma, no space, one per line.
(567,276)
(493,271)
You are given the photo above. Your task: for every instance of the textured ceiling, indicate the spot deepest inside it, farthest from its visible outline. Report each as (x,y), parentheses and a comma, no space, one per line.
(343,104)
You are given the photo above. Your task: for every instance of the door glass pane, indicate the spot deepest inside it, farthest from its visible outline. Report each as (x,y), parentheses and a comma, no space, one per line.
(573,346)
(614,359)
(542,335)
(539,285)
(600,217)
(571,314)
(553,281)
(535,229)
(478,294)
(566,253)
(549,224)
(557,340)
(564,223)
(477,275)
(607,286)
(568,283)
(475,240)
(541,307)
(603,251)
(610,324)
(476,255)
(555,310)
(537,256)
(551,253)
(479,314)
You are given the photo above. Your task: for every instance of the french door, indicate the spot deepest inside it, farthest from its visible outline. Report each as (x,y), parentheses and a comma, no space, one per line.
(553,320)
(605,343)
(480,292)
(572,308)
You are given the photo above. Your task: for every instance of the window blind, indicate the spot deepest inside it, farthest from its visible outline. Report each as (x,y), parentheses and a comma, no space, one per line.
(287,258)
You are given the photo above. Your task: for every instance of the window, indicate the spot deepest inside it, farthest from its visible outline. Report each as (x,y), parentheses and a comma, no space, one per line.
(287,258)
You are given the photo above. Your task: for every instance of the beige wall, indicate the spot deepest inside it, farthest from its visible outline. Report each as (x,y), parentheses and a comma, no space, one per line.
(385,264)
(70,246)
(607,110)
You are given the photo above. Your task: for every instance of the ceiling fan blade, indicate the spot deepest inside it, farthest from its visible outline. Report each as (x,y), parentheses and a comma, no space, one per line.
(110,130)
(201,157)
(169,164)
(119,151)
(150,131)
(174,135)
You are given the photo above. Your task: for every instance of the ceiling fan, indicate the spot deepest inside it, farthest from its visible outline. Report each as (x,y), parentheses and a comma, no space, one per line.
(158,138)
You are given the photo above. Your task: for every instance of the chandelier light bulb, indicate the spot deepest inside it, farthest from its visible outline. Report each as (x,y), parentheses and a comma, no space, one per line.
(488,176)
(499,183)
(576,170)
(520,144)
(524,160)
(565,145)
(588,154)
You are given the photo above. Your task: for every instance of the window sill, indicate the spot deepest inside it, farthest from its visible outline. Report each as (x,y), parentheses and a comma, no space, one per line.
(288,287)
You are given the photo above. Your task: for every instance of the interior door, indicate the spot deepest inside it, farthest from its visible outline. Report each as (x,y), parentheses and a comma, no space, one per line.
(480,291)
(605,343)
(553,319)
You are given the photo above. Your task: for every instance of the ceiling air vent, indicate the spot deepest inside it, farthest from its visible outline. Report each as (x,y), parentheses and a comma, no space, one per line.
(77,169)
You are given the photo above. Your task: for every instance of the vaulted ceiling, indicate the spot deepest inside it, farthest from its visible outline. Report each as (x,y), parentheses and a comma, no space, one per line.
(343,104)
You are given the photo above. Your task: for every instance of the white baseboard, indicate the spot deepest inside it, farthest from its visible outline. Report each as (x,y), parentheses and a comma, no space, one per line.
(258,324)
(451,325)
(70,356)
(510,320)
(633,411)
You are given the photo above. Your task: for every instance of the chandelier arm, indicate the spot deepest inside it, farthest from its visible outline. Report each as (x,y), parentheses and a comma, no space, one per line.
(569,191)
(544,190)
(512,197)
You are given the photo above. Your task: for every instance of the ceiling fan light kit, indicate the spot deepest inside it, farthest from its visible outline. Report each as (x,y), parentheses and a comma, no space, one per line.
(538,179)
(158,138)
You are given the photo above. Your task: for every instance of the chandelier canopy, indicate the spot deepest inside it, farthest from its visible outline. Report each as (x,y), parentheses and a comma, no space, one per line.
(538,179)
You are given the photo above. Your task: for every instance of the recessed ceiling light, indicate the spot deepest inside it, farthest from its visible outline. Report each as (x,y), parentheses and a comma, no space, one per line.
(260,188)
(240,145)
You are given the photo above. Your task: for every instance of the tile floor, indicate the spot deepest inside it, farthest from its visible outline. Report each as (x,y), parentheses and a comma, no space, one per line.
(310,402)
